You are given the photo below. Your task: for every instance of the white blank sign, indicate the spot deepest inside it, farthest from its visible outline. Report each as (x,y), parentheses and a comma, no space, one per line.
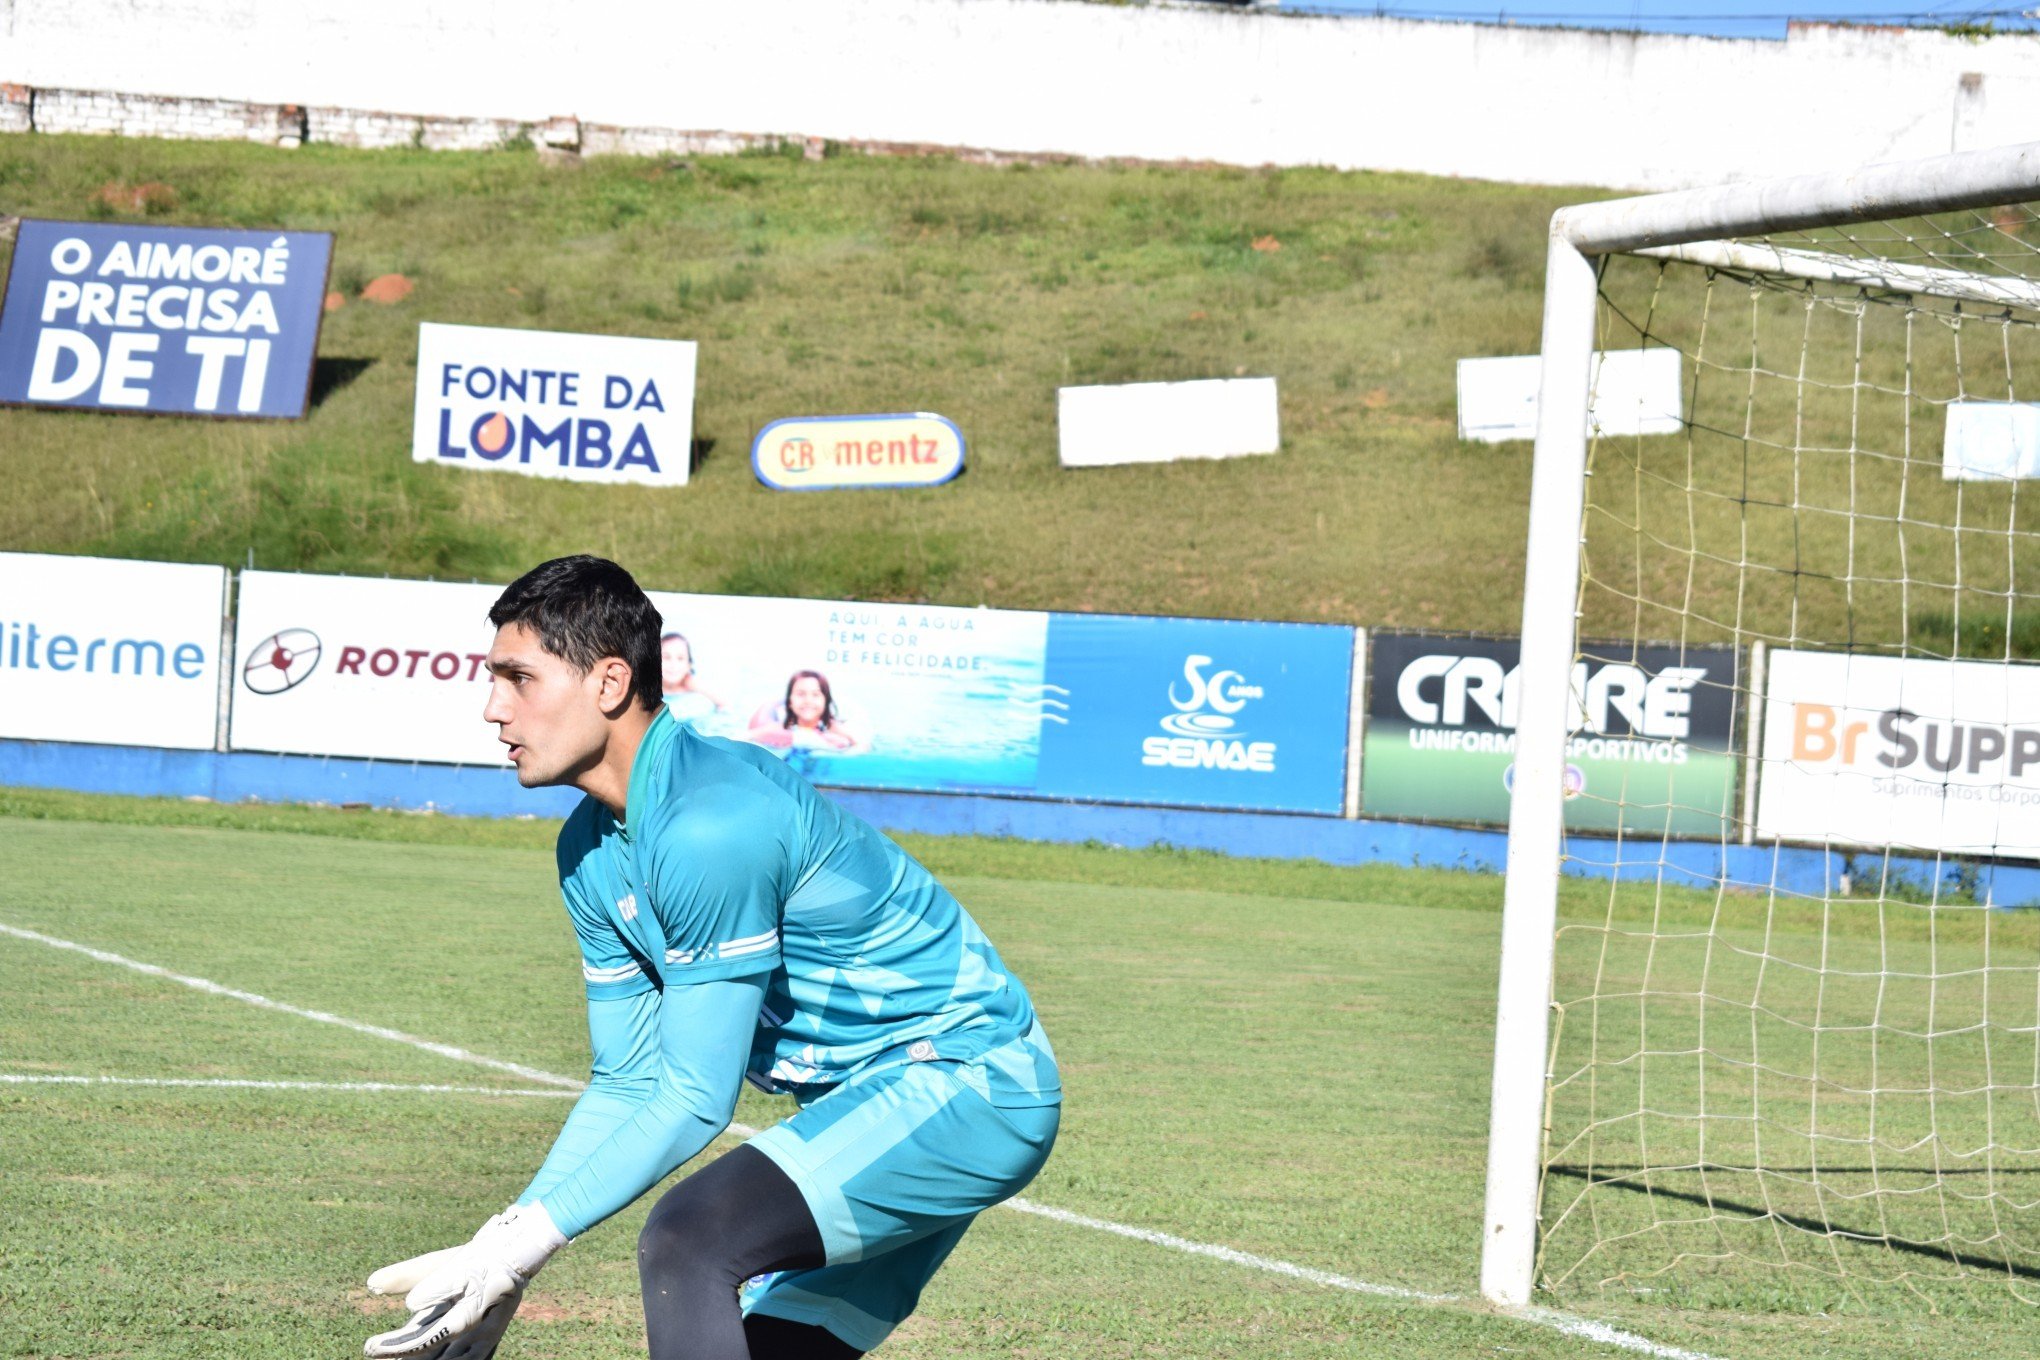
(1636,391)
(1163,422)
(1991,441)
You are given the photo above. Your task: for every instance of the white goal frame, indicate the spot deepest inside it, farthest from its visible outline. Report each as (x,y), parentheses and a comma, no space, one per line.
(1688,225)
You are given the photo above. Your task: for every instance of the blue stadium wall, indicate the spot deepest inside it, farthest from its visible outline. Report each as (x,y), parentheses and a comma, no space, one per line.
(240,776)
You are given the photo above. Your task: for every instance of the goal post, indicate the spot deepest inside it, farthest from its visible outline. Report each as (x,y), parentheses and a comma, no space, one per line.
(1723,231)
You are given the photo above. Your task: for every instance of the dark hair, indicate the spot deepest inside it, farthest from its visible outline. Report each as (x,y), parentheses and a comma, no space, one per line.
(583,609)
(828,699)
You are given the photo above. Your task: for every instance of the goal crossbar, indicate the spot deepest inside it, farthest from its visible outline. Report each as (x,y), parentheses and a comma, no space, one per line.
(1823,267)
(1578,234)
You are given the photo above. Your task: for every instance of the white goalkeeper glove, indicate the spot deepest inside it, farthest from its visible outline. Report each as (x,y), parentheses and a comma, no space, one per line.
(462,1298)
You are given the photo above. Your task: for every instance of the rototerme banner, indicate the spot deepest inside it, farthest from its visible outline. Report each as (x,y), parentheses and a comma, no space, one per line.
(586,408)
(1651,745)
(927,698)
(354,666)
(168,320)
(1879,750)
(99,650)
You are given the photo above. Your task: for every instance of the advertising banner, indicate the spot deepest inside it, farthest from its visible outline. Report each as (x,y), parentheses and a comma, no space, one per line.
(825,453)
(1197,712)
(1190,712)
(1991,441)
(1167,421)
(1651,746)
(1635,391)
(586,408)
(1878,750)
(178,320)
(358,666)
(123,653)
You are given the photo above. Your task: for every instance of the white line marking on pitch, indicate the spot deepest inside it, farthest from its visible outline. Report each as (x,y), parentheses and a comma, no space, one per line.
(374,1031)
(241,1084)
(1584,1329)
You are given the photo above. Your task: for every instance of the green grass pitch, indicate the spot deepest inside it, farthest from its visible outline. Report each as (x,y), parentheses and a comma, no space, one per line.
(1285,1059)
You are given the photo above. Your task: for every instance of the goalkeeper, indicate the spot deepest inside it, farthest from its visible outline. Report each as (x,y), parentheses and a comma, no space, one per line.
(734,924)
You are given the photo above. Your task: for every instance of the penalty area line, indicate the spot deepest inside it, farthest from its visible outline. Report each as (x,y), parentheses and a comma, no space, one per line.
(1583,1329)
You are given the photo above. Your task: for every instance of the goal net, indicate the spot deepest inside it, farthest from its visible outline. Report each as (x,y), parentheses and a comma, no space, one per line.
(1778,1036)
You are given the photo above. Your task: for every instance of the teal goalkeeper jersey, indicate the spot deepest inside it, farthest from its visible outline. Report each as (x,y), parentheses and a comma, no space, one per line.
(730,865)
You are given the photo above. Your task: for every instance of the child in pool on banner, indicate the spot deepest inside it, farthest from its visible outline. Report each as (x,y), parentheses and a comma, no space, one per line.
(806,717)
(680,684)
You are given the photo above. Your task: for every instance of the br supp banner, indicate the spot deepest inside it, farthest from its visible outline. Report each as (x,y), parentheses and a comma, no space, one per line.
(169,320)
(1651,748)
(909,697)
(584,408)
(101,650)
(1879,750)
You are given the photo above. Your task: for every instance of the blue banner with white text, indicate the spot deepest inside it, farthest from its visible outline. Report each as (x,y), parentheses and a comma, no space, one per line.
(1093,707)
(1198,712)
(167,320)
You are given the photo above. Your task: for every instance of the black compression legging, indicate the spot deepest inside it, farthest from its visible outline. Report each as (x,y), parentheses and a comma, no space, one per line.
(737,1217)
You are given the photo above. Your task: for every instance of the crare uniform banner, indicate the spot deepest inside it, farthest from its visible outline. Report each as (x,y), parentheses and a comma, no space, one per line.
(585,408)
(94,649)
(168,320)
(926,698)
(1879,750)
(1651,750)
(359,666)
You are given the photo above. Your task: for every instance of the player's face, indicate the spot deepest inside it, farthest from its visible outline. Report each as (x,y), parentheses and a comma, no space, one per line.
(549,714)
(807,702)
(674,663)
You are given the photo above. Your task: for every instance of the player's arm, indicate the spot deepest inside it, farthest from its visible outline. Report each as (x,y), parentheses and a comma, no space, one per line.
(718,877)
(704,1037)
(623,1035)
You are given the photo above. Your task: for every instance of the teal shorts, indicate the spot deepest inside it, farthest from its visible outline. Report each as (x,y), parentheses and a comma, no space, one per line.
(894,1165)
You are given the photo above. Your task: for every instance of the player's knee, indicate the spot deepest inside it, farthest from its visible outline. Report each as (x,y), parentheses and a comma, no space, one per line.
(672,1246)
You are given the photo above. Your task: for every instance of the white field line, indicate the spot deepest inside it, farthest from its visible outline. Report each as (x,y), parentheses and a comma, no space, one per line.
(240,1084)
(1584,1329)
(374,1031)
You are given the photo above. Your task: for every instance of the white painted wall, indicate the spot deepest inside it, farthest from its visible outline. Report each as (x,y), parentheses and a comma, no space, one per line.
(1154,82)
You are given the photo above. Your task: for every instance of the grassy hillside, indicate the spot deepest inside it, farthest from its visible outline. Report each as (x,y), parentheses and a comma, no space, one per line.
(1806,503)
(852,284)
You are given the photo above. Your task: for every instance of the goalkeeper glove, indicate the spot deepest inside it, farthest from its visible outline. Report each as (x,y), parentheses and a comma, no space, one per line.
(463,1298)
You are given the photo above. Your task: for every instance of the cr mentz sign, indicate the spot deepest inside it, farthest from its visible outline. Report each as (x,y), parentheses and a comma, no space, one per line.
(818,453)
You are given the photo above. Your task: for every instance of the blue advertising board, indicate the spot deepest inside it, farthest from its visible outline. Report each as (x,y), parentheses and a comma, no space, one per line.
(1101,708)
(116,316)
(1198,712)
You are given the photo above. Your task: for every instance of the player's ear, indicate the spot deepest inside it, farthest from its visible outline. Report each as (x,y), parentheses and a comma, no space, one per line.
(614,695)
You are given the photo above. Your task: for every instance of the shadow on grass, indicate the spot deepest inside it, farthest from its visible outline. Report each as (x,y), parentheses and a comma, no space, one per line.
(330,375)
(1815,1226)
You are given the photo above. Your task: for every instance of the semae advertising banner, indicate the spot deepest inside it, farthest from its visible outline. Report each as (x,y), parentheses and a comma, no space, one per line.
(1197,712)
(169,320)
(1879,750)
(585,408)
(99,650)
(928,698)
(1651,746)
